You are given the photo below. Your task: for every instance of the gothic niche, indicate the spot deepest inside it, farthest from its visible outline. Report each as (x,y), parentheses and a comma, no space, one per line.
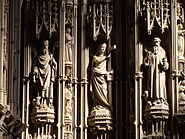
(156,11)
(156,111)
(44,74)
(46,16)
(68,44)
(69,62)
(180,37)
(100,118)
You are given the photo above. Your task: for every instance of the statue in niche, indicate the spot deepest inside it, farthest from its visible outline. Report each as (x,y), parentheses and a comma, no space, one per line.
(180,42)
(157,63)
(181,91)
(68,43)
(99,73)
(68,100)
(44,73)
(182,96)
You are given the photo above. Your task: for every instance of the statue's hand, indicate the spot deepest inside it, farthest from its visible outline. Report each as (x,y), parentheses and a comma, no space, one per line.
(35,74)
(148,60)
(165,63)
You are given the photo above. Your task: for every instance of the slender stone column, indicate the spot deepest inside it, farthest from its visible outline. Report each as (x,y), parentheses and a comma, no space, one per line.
(11,56)
(84,66)
(27,69)
(61,81)
(174,65)
(5,57)
(75,65)
(26,101)
(138,76)
(1,49)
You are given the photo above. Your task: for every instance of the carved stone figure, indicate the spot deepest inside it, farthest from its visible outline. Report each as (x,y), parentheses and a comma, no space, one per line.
(44,72)
(180,42)
(182,96)
(68,44)
(182,90)
(180,47)
(68,102)
(157,63)
(99,72)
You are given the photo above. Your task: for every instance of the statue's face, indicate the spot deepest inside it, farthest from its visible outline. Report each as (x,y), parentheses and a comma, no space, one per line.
(46,44)
(156,43)
(102,48)
(68,30)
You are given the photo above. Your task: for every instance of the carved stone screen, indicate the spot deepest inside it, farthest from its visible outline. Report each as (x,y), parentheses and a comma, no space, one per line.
(92,69)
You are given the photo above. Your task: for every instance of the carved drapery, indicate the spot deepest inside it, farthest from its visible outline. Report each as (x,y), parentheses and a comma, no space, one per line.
(156,11)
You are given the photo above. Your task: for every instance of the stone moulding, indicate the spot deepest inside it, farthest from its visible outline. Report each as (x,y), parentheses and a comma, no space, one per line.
(157,111)
(100,120)
(43,115)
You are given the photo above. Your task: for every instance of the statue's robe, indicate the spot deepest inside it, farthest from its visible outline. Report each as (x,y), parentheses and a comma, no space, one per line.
(156,83)
(46,71)
(99,84)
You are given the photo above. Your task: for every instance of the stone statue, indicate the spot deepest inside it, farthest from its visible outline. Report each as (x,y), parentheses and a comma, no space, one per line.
(181,91)
(44,73)
(68,44)
(181,96)
(99,72)
(102,109)
(180,41)
(157,63)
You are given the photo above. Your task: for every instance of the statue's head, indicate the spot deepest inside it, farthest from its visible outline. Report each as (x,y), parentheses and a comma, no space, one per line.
(68,28)
(102,48)
(45,44)
(156,41)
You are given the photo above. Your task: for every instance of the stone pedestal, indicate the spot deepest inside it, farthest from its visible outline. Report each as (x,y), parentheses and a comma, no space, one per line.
(43,117)
(100,120)
(156,115)
(44,114)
